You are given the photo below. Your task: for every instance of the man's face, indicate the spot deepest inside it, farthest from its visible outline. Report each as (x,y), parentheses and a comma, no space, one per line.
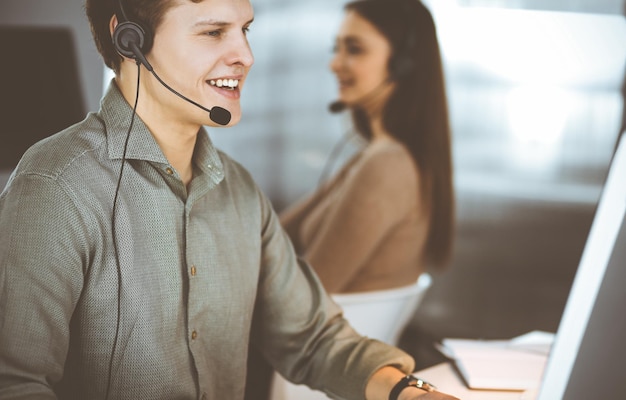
(201,50)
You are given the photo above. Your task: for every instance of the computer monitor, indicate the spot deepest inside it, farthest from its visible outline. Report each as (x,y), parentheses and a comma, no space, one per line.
(588,357)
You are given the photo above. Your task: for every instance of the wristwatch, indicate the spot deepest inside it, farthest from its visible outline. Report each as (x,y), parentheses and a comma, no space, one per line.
(407,381)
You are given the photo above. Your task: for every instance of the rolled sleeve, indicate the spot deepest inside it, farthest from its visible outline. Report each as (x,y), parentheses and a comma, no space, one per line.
(302,332)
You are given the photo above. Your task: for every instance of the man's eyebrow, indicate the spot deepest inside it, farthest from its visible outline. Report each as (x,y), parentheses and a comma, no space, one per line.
(214,22)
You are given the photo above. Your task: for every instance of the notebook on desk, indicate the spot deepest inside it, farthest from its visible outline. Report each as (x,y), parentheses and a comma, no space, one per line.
(516,364)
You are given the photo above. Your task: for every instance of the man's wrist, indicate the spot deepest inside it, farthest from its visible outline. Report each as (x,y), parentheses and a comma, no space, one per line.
(412,382)
(410,392)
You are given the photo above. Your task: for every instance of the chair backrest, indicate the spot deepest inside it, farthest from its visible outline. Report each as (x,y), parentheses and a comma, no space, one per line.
(383,314)
(380,314)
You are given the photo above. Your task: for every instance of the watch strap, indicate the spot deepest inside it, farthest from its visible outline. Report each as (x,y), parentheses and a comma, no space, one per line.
(409,380)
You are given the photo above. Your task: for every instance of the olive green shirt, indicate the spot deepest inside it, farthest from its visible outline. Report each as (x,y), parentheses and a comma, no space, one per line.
(201,270)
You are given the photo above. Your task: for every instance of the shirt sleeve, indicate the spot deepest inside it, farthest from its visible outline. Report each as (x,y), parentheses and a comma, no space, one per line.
(40,280)
(302,332)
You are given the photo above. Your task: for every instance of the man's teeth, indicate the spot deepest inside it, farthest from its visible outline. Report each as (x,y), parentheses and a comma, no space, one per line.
(228,83)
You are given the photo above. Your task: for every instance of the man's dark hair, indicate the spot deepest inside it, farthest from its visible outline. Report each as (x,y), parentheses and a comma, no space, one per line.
(147,13)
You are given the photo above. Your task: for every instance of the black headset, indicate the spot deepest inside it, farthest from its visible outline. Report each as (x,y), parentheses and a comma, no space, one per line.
(131,39)
(402,63)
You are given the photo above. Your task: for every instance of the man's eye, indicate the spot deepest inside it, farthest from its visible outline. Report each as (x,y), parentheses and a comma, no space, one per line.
(215,33)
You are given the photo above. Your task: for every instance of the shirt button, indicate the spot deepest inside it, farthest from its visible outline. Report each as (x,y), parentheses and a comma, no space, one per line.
(193,270)
(210,166)
(169,171)
(194,335)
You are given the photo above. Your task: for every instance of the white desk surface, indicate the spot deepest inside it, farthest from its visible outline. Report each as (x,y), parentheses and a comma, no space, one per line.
(447,380)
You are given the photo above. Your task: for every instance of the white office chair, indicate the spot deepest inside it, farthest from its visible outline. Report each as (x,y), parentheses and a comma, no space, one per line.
(381,314)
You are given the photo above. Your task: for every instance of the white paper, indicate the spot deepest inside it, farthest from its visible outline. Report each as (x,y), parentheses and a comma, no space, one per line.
(516,364)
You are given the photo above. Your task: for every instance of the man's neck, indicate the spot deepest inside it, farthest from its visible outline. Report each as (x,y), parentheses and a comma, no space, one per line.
(177,141)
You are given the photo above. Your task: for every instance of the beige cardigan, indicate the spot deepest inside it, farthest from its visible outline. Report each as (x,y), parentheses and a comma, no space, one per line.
(366,228)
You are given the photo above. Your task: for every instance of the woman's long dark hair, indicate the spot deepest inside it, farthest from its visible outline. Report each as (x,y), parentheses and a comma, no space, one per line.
(416,113)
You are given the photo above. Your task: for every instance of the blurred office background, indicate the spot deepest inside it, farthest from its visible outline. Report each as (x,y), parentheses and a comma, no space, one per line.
(535,104)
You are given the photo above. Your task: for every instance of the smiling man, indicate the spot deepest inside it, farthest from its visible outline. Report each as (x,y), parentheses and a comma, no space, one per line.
(136,260)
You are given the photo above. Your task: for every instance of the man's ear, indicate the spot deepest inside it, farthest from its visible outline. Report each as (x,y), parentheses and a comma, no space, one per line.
(112,24)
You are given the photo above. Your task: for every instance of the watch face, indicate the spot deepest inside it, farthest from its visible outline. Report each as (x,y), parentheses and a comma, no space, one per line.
(422,384)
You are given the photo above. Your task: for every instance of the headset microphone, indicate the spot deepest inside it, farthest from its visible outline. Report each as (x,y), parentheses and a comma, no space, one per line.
(339,106)
(217,114)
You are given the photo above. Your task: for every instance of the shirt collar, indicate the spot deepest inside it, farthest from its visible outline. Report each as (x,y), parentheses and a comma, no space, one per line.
(207,158)
(117,115)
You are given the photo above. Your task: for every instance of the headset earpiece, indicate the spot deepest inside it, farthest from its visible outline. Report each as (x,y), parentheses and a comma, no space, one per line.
(128,32)
(401,64)
(401,67)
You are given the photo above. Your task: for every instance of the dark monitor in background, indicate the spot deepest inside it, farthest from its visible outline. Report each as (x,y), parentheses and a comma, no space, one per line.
(40,91)
(588,357)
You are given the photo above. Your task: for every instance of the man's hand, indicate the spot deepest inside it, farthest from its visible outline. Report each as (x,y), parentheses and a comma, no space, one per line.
(380,384)
(413,393)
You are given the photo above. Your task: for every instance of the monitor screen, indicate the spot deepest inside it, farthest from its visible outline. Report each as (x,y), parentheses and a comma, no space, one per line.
(588,357)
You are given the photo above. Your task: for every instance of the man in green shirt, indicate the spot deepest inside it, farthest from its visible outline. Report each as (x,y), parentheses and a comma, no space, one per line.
(136,260)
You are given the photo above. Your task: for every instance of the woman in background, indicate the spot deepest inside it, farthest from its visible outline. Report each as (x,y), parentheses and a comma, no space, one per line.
(387,215)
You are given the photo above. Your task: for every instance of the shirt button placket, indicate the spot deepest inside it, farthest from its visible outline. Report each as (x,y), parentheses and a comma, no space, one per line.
(193,271)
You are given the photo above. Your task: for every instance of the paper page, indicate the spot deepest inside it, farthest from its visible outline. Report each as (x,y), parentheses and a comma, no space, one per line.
(498,365)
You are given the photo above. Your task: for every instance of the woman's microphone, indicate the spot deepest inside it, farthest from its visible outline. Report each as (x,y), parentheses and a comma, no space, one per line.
(339,105)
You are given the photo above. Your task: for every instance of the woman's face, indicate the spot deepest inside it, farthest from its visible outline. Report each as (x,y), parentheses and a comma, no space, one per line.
(361,63)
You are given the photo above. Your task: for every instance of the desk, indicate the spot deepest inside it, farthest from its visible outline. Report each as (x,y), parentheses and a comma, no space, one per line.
(447,380)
